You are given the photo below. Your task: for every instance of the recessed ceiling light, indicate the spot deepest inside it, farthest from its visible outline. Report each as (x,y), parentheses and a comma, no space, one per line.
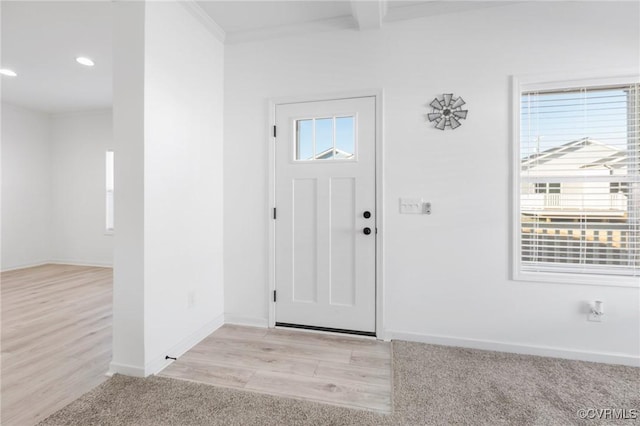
(8,72)
(85,61)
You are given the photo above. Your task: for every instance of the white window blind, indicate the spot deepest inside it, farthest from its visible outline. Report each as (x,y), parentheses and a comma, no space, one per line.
(579,199)
(109,210)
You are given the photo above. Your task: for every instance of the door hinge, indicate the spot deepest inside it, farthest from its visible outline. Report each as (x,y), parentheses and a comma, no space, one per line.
(274,296)
(274,131)
(274,213)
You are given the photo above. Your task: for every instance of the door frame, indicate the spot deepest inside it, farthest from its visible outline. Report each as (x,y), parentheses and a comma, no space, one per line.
(377,94)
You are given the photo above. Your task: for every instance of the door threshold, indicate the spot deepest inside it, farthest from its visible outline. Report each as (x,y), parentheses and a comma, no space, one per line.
(327,329)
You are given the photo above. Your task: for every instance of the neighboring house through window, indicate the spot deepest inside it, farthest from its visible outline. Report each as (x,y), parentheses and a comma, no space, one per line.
(619,188)
(547,188)
(578,181)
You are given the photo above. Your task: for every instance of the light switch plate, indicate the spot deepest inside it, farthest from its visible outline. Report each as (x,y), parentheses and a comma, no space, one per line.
(411,206)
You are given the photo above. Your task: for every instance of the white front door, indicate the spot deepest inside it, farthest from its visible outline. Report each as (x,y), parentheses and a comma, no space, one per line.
(325,228)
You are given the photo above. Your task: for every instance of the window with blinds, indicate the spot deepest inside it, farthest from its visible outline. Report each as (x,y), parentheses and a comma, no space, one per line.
(579,178)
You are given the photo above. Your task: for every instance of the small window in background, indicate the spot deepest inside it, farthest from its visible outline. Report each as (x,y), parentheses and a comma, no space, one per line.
(547,188)
(619,188)
(330,138)
(109,191)
(554,188)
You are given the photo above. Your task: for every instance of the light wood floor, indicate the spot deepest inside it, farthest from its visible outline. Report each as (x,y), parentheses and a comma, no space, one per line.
(56,338)
(340,370)
(56,346)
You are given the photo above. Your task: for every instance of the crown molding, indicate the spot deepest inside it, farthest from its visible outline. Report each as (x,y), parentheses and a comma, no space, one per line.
(205,19)
(434,8)
(322,25)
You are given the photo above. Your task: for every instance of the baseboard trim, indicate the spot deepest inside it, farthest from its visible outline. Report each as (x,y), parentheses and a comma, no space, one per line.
(248,321)
(82,263)
(125,370)
(176,351)
(603,357)
(60,262)
(25,266)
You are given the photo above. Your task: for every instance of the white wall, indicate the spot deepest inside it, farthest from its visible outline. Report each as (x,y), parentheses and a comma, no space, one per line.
(183,178)
(26,188)
(447,275)
(168,97)
(128,141)
(53,188)
(78,145)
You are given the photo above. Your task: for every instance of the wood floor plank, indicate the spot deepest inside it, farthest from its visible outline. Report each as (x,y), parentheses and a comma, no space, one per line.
(67,373)
(370,360)
(78,348)
(290,348)
(364,344)
(251,360)
(56,338)
(80,325)
(294,364)
(232,331)
(56,394)
(343,393)
(209,374)
(367,375)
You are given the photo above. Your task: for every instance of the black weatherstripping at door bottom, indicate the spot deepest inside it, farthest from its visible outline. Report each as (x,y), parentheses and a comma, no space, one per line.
(332,330)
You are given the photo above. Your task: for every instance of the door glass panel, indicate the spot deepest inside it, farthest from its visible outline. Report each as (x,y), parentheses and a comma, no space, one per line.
(324,138)
(304,142)
(331,138)
(345,138)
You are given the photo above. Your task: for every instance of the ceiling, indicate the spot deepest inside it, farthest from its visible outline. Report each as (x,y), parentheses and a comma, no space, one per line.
(41,39)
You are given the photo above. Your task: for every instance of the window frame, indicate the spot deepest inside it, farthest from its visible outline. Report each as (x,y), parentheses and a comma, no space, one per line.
(552,81)
(295,146)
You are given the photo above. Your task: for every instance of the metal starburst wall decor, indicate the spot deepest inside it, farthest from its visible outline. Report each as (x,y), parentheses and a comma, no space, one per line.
(447,112)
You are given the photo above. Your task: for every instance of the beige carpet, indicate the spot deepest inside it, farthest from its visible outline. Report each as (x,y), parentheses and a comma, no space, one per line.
(432,385)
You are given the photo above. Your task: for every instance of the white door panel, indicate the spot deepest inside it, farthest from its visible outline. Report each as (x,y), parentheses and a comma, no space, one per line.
(325,181)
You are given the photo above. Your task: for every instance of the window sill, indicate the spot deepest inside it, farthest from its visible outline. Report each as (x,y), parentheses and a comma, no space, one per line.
(578,279)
